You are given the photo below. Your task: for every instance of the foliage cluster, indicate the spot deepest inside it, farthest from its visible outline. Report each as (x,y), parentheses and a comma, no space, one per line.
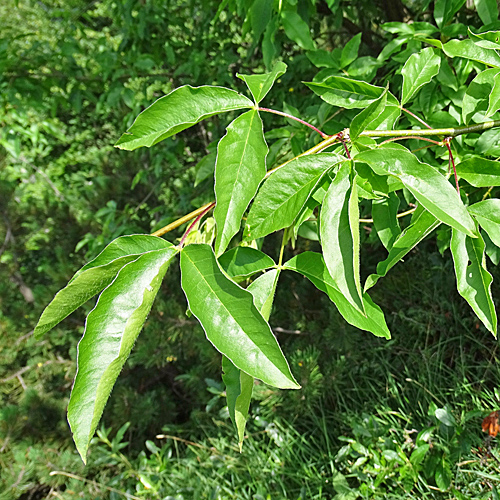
(65,190)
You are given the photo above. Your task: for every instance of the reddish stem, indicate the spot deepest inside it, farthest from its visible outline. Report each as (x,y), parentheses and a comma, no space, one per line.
(287,115)
(392,139)
(417,118)
(190,228)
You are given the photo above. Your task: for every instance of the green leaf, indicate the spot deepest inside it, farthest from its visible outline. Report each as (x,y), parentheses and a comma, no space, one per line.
(384,214)
(487,39)
(238,383)
(110,332)
(443,475)
(422,224)
(339,230)
(313,267)
(480,172)
(418,70)
(476,98)
(297,29)
(260,15)
(444,10)
(487,213)
(239,386)
(487,10)
(473,279)
(428,186)
(346,93)
(95,276)
(230,319)
(177,111)
(494,97)
(350,51)
(243,262)
(366,117)
(260,85)
(240,168)
(205,168)
(285,192)
(469,50)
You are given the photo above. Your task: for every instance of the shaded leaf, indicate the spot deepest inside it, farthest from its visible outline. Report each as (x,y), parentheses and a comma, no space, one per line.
(350,51)
(384,214)
(429,187)
(487,213)
(473,279)
(110,332)
(285,192)
(494,97)
(339,230)
(230,319)
(422,224)
(418,70)
(476,98)
(260,85)
(182,108)
(242,262)
(95,276)
(313,267)
(479,172)
(297,29)
(239,169)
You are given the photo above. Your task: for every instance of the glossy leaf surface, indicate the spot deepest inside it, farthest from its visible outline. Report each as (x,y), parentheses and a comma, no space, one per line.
(476,98)
(422,224)
(177,111)
(239,169)
(418,70)
(339,230)
(473,279)
(260,85)
(95,276)
(469,50)
(487,213)
(313,267)
(285,192)
(429,187)
(480,172)
(368,116)
(243,262)
(230,319)
(110,332)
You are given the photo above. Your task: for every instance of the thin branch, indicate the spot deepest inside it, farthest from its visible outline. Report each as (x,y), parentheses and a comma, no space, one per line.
(425,124)
(402,214)
(190,228)
(291,117)
(392,139)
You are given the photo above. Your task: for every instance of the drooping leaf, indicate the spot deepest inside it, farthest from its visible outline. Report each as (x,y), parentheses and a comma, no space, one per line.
(422,224)
(469,50)
(260,85)
(182,108)
(444,10)
(418,70)
(479,172)
(95,276)
(313,267)
(239,386)
(487,10)
(428,186)
(473,279)
(368,116)
(346,93)
(297,29)
(487,213)
(350,51)
(285,192)
(240,168)
(260,15)
(476,98)
(339,230)
(205,168)
(242,262)
(230,319)
(384,214)
(238,383)
(110,332)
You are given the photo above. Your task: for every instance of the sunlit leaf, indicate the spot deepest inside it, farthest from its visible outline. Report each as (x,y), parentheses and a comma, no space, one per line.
(368,116)
(240,168)
(242,262)
(110,332)
(339,230)
(230,319)
(182,108)
(469,50)
(260,85)
(487,213)
(479,172)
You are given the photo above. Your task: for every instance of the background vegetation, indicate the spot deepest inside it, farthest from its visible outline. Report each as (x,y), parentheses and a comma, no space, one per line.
(375,418)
